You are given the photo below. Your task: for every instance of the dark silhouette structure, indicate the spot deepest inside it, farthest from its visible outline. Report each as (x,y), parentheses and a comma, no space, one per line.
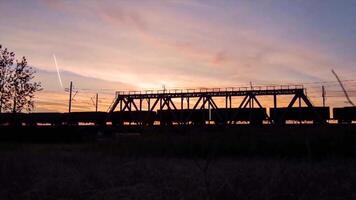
(198,106)
(205,97)
(194,107)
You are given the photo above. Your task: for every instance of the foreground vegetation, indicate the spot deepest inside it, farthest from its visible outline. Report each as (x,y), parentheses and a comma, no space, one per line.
(84,171)
(241,163)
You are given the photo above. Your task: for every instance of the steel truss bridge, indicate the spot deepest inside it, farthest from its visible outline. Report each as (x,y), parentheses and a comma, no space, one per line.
(197,107)
(151,100)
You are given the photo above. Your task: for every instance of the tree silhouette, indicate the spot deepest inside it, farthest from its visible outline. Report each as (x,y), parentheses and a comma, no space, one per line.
(17,88)
(22,89)
(6,62)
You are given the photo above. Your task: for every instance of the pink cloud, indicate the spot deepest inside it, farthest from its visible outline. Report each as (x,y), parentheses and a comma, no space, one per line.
(119,16)
(147,30)
(56,5)
(241,52)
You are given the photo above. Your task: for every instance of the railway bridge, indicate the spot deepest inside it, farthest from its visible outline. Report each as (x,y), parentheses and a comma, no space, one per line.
(199,106)
(196,107)
(162,99)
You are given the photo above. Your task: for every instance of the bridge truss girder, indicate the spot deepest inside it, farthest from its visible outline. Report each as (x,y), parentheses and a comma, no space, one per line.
(164,101)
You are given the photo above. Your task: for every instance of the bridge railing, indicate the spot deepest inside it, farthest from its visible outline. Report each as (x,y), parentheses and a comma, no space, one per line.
(206,90)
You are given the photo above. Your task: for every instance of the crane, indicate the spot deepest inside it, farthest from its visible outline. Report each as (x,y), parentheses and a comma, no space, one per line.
(343,88)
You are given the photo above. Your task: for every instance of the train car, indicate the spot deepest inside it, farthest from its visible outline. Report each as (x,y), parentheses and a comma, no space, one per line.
(316,115)
(254,116)
(218,116)
(12,119)
(345,115)
(132,117)
(76,118)
(34,119)
(185,116)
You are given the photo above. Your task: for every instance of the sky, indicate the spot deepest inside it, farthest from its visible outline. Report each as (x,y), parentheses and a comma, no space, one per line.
(109,45)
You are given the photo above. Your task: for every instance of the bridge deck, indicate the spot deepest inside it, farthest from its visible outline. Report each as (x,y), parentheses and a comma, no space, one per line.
(213,92)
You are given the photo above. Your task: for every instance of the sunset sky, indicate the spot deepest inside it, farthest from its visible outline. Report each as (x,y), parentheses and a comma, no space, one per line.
(104,46)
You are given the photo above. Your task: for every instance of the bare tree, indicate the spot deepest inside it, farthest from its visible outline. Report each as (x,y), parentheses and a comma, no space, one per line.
(6,62)
(22,88)
(16,86)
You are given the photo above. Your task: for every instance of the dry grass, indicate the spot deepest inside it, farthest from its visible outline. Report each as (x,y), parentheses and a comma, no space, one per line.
(89,171)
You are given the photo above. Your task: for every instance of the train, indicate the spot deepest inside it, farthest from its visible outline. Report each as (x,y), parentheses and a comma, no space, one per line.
(220,116)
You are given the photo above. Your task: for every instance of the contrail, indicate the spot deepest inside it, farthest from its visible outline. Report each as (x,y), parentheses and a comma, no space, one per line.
(59,75)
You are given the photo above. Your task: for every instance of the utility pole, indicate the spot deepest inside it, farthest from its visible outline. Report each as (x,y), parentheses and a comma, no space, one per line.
(323,94)
(96,102)
(251,99)
(70,96)
(164,88)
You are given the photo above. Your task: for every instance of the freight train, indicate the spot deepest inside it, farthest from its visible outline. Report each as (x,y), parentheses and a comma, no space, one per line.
(221,116)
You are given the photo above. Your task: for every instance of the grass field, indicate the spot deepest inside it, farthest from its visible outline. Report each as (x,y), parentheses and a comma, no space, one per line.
(213,165)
